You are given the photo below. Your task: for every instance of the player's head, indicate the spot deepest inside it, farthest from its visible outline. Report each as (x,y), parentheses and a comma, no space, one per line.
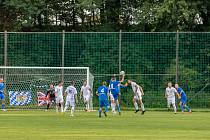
(113,77)
(85,83)
(129,81)
(60,83)
(176,85)
(72,83)
(1,80)
(169,84)
(103,83)
(51,86)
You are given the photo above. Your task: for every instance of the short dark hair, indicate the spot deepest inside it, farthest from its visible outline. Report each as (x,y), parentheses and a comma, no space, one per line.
(72,82)
(59,82)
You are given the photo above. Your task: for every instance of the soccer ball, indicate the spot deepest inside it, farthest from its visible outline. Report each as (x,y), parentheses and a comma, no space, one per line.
(122,73)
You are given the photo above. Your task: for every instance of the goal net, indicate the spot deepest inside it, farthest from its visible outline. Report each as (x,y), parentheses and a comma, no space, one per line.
(26,87)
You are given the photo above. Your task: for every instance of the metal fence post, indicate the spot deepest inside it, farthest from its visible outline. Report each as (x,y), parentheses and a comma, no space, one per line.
(120,49)
(177,56)
(63,51)
(5,59)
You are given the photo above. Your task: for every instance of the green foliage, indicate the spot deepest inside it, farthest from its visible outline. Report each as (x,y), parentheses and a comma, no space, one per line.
(102,15)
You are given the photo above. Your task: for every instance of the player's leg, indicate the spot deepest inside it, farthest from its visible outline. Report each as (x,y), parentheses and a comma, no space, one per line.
(106,104)
(188,108)
(142,106)
(135,104)
(141,103)
(57,101)
(61,103)
(112,103)
(72,104)
(174,105)
(182,106)
(100,108)
(88,104)
(184,101)
(49,102)
(85,102)
(117,103)
(2,102)
(66,105)
(168,104)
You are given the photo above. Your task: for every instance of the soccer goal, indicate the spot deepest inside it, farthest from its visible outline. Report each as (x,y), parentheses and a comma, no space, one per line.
(26,87)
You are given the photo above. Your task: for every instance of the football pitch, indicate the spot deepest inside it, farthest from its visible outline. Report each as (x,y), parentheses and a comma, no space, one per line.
(154,125)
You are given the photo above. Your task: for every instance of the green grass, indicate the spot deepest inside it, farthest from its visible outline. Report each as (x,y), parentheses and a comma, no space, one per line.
(40,125)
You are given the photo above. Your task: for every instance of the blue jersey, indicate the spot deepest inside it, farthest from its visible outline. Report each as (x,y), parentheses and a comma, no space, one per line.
(102,92)
(181,93)
(114,87)
(1,88)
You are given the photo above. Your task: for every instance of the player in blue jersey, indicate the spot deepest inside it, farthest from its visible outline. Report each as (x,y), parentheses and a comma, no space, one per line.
(114,88)
(103,98)
(2,94)
(183,98)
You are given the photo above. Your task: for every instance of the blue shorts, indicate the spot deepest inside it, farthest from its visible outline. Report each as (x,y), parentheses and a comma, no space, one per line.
(2,96)
(115,96)
(184,101)
(103,103)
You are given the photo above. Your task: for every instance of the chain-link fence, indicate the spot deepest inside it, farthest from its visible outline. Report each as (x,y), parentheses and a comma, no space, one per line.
(152,59)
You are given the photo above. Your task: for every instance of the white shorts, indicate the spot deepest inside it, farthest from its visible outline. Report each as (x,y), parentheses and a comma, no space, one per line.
(86,98)
(170,101)
(137,96)
(70,102)
(59,99)
(111,97)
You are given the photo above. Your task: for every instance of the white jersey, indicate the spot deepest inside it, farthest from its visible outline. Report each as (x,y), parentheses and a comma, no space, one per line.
(170,92)
(71,92)
(85,90)
(135,88)
(59,91)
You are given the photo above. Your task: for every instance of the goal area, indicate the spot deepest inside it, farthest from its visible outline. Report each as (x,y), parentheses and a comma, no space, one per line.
(26,87)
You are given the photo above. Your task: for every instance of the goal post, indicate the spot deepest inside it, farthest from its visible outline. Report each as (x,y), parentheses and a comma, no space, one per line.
(26,87)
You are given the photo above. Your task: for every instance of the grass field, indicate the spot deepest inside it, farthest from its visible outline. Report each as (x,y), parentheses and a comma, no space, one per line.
(40,125)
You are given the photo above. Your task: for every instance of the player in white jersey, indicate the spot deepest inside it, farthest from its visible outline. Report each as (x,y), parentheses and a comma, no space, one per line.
(71,98)
(170,96)
(87,94)
(59,96)
(137,99)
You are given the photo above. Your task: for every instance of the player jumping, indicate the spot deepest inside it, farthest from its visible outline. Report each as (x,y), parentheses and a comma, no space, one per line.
(59,96)
(114,88)
(170,96)
(2,97)
(50,96)
(71,98)
(103,98)
(137,99)
(87,93)
(181,94)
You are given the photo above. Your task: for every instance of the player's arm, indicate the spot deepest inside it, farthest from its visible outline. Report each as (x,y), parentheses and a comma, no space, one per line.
(97,93)
(91,92)
(75,95)
(166,95)
(122,78)
(56,92)
(81,92)
(123,86)
(177,94)
(65,93)
(141,89)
